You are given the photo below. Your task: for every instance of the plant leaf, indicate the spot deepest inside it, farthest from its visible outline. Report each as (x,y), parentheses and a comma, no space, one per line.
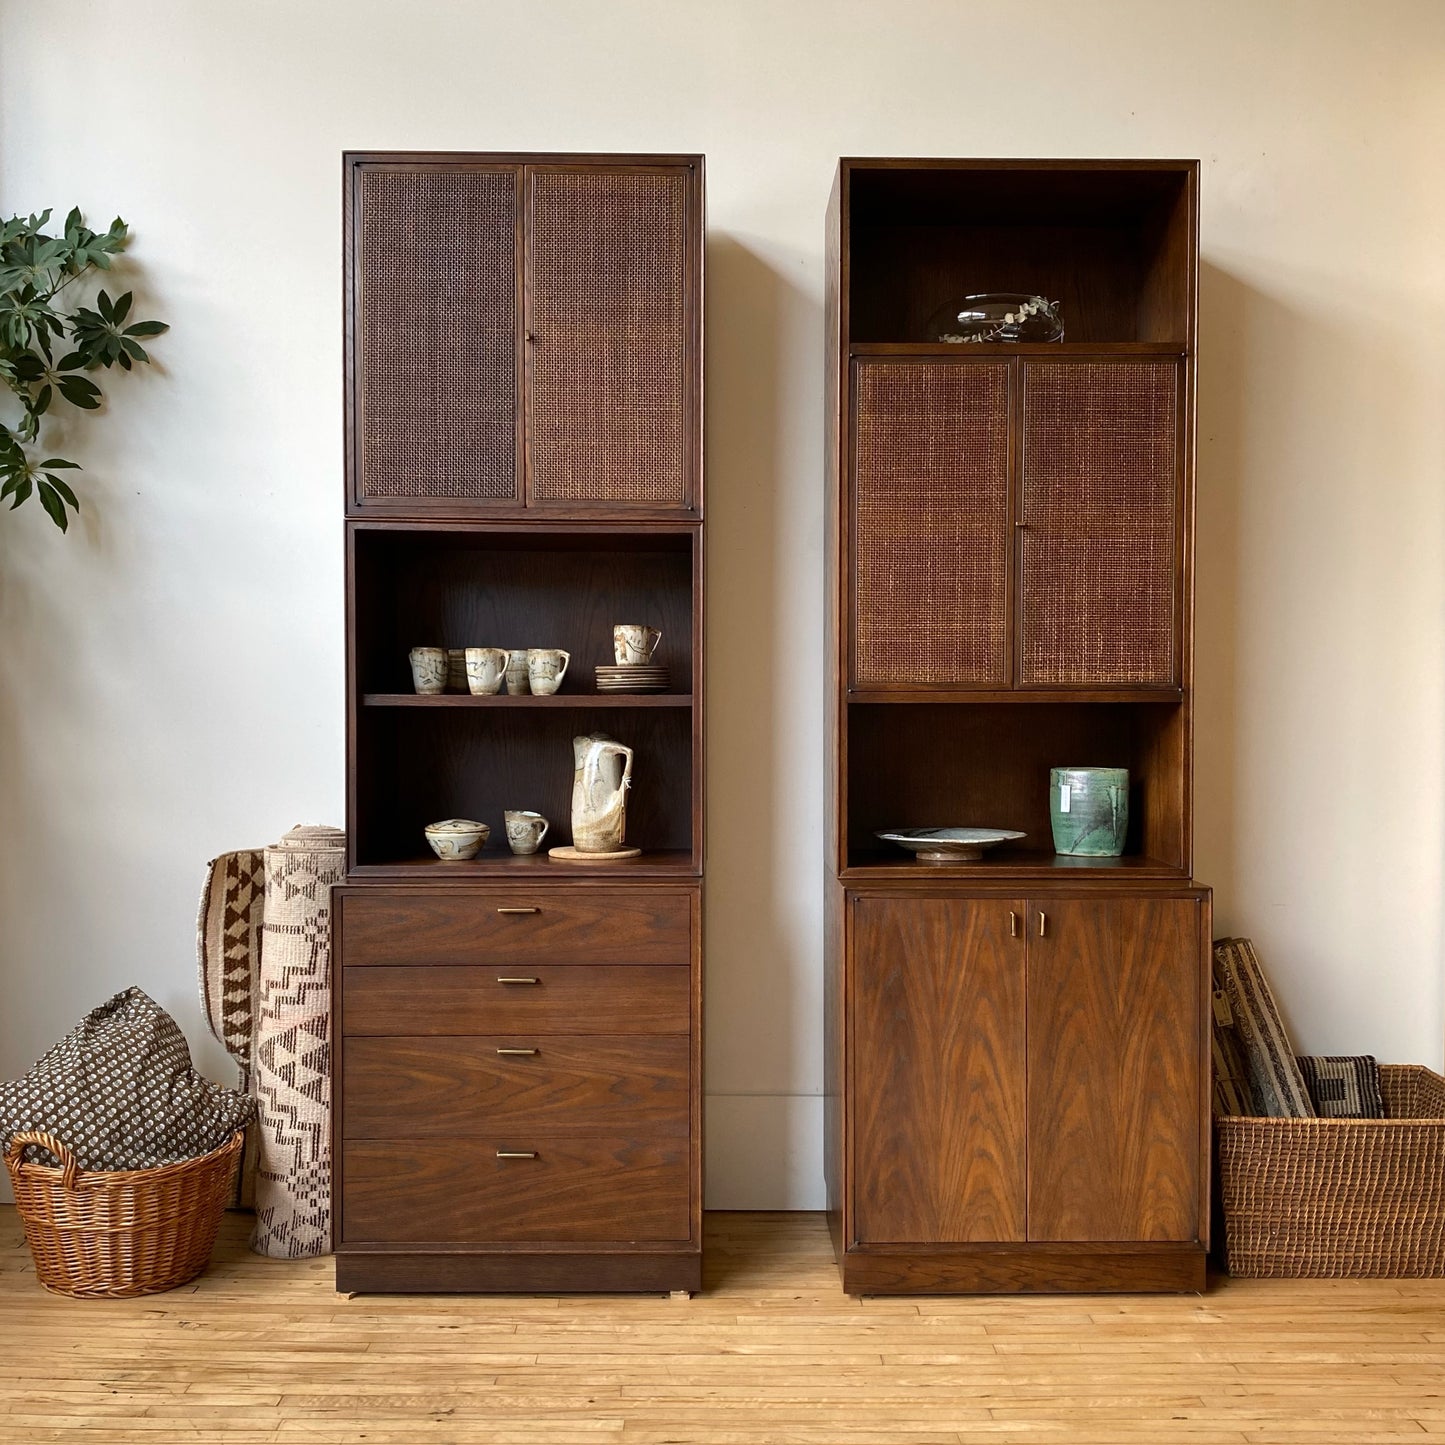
(54,505)
(56,464)
(21,492)
(147,328)
(63,487)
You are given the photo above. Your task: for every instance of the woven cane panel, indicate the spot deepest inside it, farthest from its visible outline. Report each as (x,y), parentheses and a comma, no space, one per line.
(1099,596)
(437,333)
(608,318)
(930,522)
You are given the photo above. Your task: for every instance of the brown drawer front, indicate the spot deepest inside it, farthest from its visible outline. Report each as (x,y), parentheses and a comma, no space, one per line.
(516,1000)
(509,927)
(474,1087)
(574,1190)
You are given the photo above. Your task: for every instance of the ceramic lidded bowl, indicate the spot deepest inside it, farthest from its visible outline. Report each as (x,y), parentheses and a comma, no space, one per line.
(457,839)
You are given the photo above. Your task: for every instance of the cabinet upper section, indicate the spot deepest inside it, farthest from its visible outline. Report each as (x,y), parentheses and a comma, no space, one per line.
(523,335)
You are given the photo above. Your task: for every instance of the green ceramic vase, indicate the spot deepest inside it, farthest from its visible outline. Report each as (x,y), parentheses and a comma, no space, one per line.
(1089,810)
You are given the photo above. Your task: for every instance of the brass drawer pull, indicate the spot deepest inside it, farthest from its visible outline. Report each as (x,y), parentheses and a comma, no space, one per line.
(517,1053)
(1013,924)
(1043,924)
(516,1154)
(519,980)
(519,910)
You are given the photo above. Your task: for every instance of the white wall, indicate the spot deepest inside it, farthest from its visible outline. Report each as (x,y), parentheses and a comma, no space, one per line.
(171,673)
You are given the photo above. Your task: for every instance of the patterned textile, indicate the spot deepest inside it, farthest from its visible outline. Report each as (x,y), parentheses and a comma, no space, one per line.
(1275,1080)
(228,947)
(292,1058)
(119,1089)
(1343,1086)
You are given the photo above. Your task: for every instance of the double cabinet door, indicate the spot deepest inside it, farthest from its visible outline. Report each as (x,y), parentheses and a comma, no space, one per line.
(521,336)
(1017,523)
(1026,1069)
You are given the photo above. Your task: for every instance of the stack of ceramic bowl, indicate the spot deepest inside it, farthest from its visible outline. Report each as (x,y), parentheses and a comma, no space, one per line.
(633,677)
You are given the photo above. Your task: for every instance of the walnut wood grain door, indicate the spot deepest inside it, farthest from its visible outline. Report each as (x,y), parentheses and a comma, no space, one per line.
(938,1063)
(1100,566)
(434,307)
(1115,993)
(931,528)
(609,301)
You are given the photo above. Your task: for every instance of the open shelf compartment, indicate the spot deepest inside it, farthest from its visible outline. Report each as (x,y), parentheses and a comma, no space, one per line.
(929,765)
(1111,242)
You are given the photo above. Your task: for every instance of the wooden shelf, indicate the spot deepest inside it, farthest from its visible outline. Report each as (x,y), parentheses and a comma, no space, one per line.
(586,700)
(507,867)
(961,695)
(1020,863)
(1057,350)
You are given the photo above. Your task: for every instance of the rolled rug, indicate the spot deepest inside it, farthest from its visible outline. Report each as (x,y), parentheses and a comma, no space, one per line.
(228,954)
(291,1064)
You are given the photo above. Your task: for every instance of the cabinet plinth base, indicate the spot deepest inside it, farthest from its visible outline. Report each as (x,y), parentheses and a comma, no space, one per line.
(418,1272)
(1027,1269)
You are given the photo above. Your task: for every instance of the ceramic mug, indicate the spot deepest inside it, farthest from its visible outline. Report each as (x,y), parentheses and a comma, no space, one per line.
(456,669)
(486,667)
(428,670)
(517,684)
(525,831)
(633,644)
(546,667)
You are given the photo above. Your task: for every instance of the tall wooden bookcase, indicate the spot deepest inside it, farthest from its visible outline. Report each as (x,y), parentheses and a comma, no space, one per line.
(1018,1060)
(518,1052)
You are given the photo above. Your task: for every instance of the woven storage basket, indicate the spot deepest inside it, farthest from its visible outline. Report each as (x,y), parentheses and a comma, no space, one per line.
(111,1234)
(1339,1198)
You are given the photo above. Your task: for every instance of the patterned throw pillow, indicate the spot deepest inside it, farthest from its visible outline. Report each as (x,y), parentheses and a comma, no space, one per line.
(119,1089)
(1343,1086)
(1275,1080)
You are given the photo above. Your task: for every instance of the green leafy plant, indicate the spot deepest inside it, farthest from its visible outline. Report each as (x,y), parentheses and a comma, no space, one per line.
(47,345)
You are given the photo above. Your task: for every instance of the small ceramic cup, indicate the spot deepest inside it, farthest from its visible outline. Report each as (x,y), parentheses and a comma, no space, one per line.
(546,667)
(633,644)
(456,669)
(486,667)
(428,670)
(457,839)
(525,831)
(517,684)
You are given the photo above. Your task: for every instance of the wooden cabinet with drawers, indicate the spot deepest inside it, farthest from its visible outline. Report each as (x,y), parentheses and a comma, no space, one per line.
(517,1039)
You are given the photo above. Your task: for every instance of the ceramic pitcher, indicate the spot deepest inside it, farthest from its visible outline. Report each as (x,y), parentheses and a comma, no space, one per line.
(600,780)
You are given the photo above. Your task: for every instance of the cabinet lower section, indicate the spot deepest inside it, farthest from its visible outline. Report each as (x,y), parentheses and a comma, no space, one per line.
(1020,1089)
(518,1101)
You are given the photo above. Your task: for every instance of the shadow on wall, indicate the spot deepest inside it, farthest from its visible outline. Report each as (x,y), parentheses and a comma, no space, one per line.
(1223,386)
(764,690)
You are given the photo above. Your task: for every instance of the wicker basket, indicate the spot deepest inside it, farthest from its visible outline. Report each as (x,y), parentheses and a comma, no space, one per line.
(1340,1198)
(111,1234)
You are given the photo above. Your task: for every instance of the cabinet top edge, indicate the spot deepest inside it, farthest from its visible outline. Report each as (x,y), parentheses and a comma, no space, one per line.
(355,158)
(849,164)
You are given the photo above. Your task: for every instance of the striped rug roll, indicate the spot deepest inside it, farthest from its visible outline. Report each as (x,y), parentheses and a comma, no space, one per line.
(292,1057)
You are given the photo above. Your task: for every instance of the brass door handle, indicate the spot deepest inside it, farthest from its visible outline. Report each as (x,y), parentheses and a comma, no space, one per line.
(1015,929)
(517,1053)
(519,910)
(516,1153)
(519,980)
(1043,924)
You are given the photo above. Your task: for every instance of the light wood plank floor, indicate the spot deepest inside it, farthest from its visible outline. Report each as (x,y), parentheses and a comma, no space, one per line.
(772,1352)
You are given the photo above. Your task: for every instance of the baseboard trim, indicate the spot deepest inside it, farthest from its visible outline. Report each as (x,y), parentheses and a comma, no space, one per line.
(423,1273)
(1029,1269)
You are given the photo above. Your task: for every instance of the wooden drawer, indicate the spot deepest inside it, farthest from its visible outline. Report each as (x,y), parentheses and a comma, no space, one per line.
(393,926)
(539,999)
(470,1087)
(459,1191)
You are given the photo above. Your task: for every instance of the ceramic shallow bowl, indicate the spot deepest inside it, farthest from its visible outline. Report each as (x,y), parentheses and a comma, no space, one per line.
(949,845)
(457,839)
